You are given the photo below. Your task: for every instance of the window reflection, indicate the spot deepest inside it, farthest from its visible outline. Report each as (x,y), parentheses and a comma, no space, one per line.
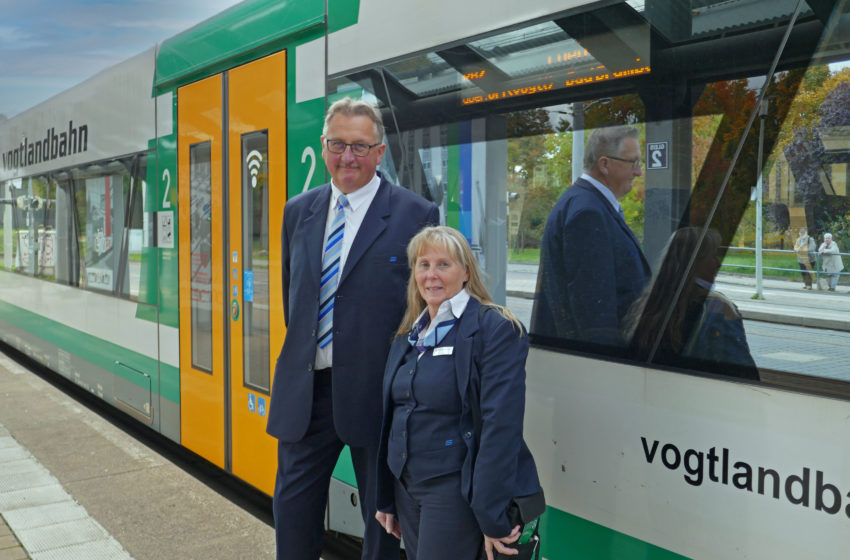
(200,241)
(592,266)
(81,227)
(702,323)
(498,166)
(255,251)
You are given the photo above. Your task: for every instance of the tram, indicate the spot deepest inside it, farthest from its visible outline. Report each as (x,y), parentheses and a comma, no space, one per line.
(141,213)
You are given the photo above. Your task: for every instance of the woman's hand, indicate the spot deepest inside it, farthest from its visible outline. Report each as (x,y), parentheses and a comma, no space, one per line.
(499,544)
(389,523)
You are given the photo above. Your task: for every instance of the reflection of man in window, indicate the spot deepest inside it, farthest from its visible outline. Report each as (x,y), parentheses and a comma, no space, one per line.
(591,264)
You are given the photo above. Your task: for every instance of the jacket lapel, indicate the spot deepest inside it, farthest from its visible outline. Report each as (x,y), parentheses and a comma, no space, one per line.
(312,230)
(374,222)
(467,328)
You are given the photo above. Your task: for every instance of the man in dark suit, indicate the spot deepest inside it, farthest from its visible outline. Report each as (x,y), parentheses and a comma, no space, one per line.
(344,279)
(592,267)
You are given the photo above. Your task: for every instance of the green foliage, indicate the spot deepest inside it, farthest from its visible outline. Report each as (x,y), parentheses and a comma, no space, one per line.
(774,264)
(526,132)
(624,109)
(529,168)
(836,220)
(524,255)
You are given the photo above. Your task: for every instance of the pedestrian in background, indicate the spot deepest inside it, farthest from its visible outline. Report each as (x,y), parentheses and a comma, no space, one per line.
(805,247)
(831,260)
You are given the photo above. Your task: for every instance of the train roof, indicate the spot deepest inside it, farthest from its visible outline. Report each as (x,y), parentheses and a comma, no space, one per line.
(240,33)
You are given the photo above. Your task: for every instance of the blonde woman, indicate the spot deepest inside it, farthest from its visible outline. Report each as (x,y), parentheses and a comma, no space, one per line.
(444,483)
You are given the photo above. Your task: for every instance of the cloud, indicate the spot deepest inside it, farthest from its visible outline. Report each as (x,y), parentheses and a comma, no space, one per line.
(16,38)
(53,44)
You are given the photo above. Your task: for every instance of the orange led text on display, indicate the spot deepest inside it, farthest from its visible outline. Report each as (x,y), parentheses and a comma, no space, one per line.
(504,94)
(567,56)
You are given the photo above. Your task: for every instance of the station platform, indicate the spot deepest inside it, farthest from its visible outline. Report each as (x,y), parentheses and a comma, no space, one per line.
(74,486)
(783,301)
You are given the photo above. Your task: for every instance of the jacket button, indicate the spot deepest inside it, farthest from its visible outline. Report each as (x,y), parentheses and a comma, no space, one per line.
(314,332)
(309,367)
(467,435)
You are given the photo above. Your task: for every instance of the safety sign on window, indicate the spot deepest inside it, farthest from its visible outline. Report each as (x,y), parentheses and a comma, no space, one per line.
(656,155)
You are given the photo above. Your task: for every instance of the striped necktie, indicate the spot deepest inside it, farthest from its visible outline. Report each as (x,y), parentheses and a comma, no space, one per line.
(330,273)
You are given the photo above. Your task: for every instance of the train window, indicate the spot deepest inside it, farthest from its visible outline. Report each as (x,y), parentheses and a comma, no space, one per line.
(604,165)
(67,242)
(255,248)
(6,209)
(7,218)
(27,231)
(200,228)
(81,227)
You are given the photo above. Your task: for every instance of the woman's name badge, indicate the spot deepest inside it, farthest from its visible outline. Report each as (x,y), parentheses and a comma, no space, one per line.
(444,350)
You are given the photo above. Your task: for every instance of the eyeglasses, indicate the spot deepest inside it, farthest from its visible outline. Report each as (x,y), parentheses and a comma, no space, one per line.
(635,162)
(359,150)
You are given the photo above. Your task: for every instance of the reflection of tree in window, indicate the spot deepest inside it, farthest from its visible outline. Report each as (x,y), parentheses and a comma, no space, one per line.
(527,132)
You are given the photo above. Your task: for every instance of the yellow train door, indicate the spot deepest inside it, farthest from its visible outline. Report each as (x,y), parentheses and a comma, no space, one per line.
(232,177)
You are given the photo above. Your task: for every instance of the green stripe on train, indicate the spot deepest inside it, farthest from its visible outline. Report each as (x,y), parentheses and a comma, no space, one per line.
(569,537)
(564,536)
(344,469)
(96,351)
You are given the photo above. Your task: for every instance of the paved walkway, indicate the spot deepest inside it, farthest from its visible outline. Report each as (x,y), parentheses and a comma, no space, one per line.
(75,487)
(10,546)
(785,301)
(41,517)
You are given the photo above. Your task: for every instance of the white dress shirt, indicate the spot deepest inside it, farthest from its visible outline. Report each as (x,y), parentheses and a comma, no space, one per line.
(606,192)
(452,307)
(359,202)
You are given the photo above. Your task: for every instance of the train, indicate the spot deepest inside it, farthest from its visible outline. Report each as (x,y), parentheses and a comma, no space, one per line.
(141,212)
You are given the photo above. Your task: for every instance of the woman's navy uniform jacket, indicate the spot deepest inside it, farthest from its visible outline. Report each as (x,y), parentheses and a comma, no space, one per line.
(489,360)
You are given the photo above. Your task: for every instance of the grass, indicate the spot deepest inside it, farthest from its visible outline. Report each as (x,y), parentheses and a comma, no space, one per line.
(735,262)
(524,255)
(743,262)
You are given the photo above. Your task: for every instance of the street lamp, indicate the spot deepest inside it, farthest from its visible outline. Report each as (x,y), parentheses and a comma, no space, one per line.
(762,118)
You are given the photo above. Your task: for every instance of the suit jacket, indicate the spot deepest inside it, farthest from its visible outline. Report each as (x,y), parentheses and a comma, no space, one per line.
(489,361)
(370,301)
(591,269)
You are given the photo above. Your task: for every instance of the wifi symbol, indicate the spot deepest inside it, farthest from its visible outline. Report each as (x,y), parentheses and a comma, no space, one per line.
(255,160)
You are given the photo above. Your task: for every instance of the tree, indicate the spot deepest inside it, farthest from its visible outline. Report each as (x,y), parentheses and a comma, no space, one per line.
(624,109)
(528,164)
(526,140)
(835,109)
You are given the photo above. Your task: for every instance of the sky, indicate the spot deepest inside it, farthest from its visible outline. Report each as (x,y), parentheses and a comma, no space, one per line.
(48,46)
